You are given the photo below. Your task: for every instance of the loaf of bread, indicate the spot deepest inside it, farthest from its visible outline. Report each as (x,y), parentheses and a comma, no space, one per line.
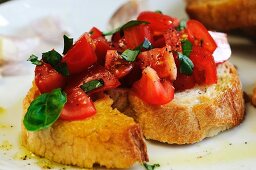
(108,138)
(193,114)
(224,15)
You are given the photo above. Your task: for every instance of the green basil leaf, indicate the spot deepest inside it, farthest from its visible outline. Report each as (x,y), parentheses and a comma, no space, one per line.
(158,11)
(34,60)
(147,44)
(130,55)
(52,57)
(44,110)
(68,43)
(182,26)
(125,26)
(91,85)
(151,167)
(186,65)
(186,47)
(62,68)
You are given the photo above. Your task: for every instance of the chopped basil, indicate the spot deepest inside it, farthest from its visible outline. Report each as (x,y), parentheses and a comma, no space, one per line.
(34,60)
(186,65)
(151,167)
(91,85)
(54,59)
(186,47)
(130,55)
(158,11)
(147,44)
(125,26)
(182,25)
(68,43)
(44,110)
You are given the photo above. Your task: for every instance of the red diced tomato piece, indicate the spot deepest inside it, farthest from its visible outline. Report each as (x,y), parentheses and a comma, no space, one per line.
(95,33)
(48,79)
(184,82)
(79,105)
(81,56)
(102,46)
(136,35)
(151,90)
(172,40)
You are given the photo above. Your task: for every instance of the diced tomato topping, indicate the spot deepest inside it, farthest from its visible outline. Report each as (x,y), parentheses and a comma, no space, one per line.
(135,36)
(184,82)
(160,60)
(79,105)
(102,46)
(159,41)
(94,73)
(95,33)
(81,55)
(173,40)
(205,71)
(151,90)
(117,65)
(47,78)
(119,42)
(158,22)
(200,36)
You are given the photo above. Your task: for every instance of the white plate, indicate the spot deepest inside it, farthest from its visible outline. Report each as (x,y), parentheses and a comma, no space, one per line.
(233,149)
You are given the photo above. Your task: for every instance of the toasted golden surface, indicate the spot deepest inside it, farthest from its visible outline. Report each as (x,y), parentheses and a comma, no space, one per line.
(108,138)
(196,113)
(224,15)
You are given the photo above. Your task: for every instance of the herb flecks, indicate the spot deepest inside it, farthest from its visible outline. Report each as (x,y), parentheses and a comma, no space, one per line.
(150,167)
(68,43)
(125,26)
(91,85)
(186,65)
(34,60)
(44,110)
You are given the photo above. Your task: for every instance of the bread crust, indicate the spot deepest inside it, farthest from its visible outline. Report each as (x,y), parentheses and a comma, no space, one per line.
(108,138)
(224,15)
(194,114)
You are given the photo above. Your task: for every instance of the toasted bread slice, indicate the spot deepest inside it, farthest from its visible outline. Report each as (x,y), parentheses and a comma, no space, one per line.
(108,138)
(224,15)
(193,114)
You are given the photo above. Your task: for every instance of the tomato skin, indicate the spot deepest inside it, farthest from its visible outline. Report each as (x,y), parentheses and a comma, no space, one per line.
(94,73)
(184,82)
(135,35)
(151,90)
(158,22)
(117,65)
(95,33)
(81,55)
(79,106)
(47,78)
(199,35)
(161,61)
(205,71)
(102,46)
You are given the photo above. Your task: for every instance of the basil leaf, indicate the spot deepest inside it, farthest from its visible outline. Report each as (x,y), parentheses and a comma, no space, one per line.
(130,55)
(182,26)
(125,26)
(186,65)
(62,68)
(44,110)
(151,167)
(68,43)
(186,47)
(54,59)
(34,60)
(147,44)
(91,85)
(158,11)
